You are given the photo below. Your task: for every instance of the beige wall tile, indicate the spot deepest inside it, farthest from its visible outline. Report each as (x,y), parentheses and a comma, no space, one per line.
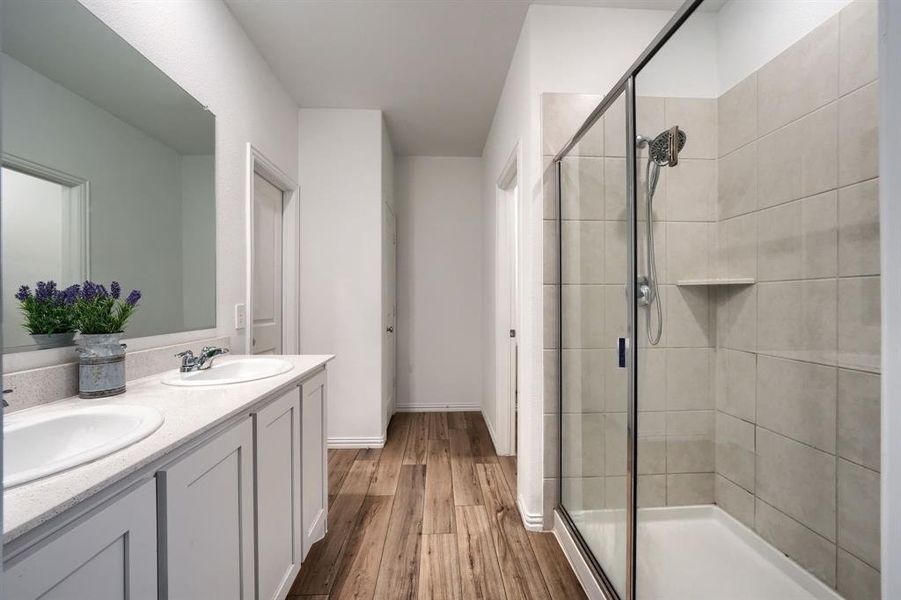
(651,379)
(651,490)
(798,400)
(583,493)
(858,229)
(858,511)
(551,316)
(649,117)
(615,252)
(615,391)
(689,317)
(737,240)
(797,319)
(737,115)
(859,417)
(798,480)
(583,381)
(735,450)
(583,323)
(736,382)
(615,314)
(734,500)
(810,550)
(856,579)
(819,237)
(736,325)
(858,45)
(615,189)
(549,187)
(583,188)
(583,251)
(737,182)
(691,190)
(652,443)
(859,323)
(686,489)
(779,239)
(800,159)
(697,118)
(583,448)
(688,253)
(615,444)
(689,373)
(858,135)
(800,80)
(615,128)
(552,440)
(551,249)
(660,247)
(551,392)
(561,117)
(689,441)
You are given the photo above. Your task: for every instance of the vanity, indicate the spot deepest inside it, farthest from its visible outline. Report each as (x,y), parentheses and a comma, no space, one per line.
(222,500)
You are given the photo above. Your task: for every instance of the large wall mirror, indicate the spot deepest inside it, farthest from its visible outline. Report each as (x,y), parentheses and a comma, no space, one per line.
(107,172)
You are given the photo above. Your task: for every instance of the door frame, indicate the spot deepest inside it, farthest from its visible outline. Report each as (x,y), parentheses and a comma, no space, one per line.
(257,163)
(508,304)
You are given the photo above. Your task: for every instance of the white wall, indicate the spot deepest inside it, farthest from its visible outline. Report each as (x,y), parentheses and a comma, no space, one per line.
(439,283)
(204,50)
(341,266)
(890,236)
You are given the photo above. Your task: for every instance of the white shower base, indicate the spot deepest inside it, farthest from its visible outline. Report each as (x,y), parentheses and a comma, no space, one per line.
(698,553)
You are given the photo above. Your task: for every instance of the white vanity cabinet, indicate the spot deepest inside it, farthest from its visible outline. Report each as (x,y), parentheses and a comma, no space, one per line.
(315,460)
(206,519)
(278,493)
(108,554)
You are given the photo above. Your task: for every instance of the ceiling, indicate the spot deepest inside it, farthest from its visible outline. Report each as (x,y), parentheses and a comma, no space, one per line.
(435,67)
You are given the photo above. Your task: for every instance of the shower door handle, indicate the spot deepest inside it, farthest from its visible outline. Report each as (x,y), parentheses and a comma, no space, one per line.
(621,352)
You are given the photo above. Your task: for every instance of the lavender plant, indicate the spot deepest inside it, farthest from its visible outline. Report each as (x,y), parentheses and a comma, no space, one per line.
(48,309)
(98,310)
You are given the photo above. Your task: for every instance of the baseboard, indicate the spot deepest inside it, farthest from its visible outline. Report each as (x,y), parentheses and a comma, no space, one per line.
(356,442)
(578,564)
(531,521)
(438,408)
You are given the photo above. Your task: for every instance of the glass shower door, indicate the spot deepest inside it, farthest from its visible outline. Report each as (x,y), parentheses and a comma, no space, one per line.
(593,317)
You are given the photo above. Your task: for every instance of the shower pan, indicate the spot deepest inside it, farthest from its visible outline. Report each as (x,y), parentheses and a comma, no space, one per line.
(716,433)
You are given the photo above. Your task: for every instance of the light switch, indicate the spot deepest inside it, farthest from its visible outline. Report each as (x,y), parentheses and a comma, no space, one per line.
(240,316)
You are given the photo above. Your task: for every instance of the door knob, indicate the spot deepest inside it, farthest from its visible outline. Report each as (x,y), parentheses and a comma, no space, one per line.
(390,329)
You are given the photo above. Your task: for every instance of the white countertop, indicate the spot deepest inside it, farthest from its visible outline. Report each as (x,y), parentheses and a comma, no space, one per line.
(188,412)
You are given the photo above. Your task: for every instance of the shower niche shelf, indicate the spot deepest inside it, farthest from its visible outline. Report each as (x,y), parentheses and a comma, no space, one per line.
(717,281)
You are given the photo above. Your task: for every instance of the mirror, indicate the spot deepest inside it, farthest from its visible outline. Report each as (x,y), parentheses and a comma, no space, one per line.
(107,172)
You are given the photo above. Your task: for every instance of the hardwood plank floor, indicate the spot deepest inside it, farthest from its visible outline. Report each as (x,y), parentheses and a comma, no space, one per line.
(395,532)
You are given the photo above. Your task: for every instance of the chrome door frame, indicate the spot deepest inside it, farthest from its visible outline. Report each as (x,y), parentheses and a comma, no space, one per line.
(625,85)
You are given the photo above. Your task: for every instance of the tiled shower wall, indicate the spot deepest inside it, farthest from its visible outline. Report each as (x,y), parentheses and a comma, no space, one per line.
(763,398)
(797,426)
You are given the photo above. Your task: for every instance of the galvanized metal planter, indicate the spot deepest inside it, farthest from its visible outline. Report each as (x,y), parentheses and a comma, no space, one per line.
(53,340)
(101,365)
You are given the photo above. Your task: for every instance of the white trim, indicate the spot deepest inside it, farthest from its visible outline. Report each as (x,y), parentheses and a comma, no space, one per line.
(578,564)
(531,521)
(507,294)
(426,408)
(356,442)
(257,163)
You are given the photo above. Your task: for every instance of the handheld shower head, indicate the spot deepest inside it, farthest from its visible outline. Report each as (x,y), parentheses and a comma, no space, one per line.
(665,148)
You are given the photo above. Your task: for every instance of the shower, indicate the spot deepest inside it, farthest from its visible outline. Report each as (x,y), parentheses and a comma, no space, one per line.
(663,151)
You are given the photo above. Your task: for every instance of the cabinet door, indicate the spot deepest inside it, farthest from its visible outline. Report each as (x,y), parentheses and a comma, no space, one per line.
(278,520)
(315,466)
(108,554)
(206,501)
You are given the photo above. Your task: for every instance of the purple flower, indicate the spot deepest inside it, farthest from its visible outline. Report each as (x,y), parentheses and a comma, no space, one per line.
(70,294)
(89,290)
(23,294)
(115,290)
(45,291)
(133,298)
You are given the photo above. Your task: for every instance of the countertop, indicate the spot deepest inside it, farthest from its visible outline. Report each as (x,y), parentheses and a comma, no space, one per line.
(188,413)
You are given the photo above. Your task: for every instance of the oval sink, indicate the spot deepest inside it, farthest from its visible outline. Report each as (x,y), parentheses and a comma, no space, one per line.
(43,443)
(231,371)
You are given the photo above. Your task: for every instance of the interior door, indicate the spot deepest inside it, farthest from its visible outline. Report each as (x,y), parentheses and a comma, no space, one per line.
(389,307)
(267,267)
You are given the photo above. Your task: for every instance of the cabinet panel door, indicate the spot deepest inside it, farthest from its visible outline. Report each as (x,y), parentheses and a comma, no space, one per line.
(207,518)
(278,520)
(315,468)
(108,554)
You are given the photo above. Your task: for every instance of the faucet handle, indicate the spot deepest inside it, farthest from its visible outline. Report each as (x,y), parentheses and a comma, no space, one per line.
(209,351)
(185,353)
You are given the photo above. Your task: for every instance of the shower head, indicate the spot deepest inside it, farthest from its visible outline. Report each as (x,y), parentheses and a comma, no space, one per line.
(665,148)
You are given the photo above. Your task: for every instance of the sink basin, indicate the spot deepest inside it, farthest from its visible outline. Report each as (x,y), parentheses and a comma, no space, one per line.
(231,371)
(42,443)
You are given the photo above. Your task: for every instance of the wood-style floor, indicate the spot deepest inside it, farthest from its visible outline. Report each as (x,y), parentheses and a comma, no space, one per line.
(431,515)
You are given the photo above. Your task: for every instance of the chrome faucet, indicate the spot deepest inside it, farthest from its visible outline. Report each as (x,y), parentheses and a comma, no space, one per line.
(5,392)
(189,362)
